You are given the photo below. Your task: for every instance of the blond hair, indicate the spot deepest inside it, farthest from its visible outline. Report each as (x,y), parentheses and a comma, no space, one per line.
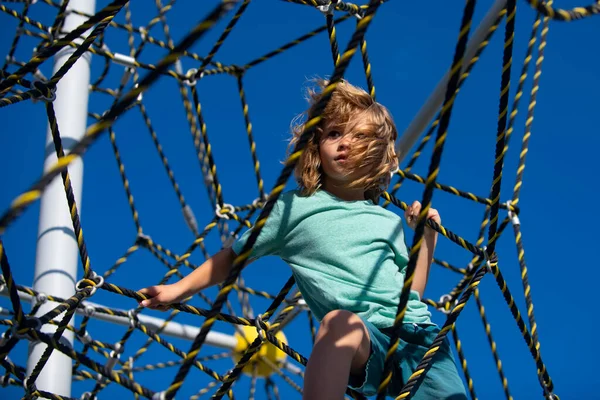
(349,110)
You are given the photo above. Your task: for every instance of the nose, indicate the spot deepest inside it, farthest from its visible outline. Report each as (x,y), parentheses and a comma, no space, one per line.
(344,143)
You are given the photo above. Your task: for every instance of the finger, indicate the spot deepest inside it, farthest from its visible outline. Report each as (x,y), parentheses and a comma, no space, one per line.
(409,216)
(434,216)
(150,303)
(416,208)
(150,291)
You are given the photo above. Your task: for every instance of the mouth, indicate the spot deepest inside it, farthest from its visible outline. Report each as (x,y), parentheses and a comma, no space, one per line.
(341,157)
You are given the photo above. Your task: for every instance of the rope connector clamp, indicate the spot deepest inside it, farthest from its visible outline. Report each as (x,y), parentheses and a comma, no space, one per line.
(132,314)
(514,218)
(159,396)
(89,310)
(219,210)
(258,202)
(443,301)
(326,8)
(47,93)
(547,392)
(115,355)
(191,77)
(488,265)
(41,298)
(84,283)
(143,33)
(28,386)
(85,338)
(260,328)
(470,268)
(140,95)
(142,238)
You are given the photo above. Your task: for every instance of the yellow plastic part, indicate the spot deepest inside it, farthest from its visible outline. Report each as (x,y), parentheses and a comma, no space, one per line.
(267,350)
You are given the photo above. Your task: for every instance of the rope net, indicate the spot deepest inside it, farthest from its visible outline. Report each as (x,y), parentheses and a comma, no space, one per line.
(124,79)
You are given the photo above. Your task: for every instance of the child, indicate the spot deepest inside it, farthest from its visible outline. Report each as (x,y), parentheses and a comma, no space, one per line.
(348,257)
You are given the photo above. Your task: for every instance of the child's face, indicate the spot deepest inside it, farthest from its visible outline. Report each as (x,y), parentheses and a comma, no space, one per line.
(334,148)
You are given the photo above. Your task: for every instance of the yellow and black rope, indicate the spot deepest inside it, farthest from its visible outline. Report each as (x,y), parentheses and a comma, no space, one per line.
(77,229)
(15,41)
(463,362)
(121,260)
(9,281)
(124,180)
(24,19)
(113,376)
(158,339)
(449,189)
(438,228)
(502,118)
(493,347)
(521,167)
(56,336)
(418,374)
(255,162)
(462,79)
(542,370)
(465,28)
(103,17)
(187,211)
(466,287)
(234,20)
(26,199)
(335,51)
(212,167)
(560,14)
(257,343)
(291,44)
(368,68)
(240,261)
(519,180)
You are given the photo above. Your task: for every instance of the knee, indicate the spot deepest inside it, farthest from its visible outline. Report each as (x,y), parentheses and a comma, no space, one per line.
(340,324)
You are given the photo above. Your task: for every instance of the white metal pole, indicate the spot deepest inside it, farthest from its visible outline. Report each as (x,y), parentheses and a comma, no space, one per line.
(433,103)
(57,254)
(172,329)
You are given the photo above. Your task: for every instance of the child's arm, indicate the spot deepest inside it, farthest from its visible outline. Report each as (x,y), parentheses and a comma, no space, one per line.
(211,272)
(424,261)
(427,246)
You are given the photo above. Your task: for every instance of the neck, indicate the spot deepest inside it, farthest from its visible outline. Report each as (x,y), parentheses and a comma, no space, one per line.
(342,191)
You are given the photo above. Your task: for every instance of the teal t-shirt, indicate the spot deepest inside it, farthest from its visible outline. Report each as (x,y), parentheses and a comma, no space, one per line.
(344,255)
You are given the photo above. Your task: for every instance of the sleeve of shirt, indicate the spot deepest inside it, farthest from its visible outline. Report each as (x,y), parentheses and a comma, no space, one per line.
(270,239)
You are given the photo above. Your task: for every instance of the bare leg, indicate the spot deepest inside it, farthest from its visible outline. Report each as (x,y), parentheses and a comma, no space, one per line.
(342,346)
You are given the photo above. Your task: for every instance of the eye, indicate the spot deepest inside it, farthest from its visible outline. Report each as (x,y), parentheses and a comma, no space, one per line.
(360,136)
(333,135)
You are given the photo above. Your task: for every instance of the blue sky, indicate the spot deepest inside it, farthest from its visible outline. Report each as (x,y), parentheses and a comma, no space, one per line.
(409,50)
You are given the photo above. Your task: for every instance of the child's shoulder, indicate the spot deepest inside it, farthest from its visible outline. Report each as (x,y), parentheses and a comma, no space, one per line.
(386,213)
(297,198)
(290,196)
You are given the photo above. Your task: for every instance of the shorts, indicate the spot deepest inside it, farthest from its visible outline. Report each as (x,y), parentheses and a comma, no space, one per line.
(441,382)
